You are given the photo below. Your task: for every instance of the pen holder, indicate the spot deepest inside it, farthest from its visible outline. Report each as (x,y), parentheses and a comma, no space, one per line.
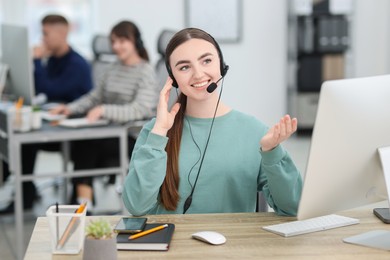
(67,229)
(21,118)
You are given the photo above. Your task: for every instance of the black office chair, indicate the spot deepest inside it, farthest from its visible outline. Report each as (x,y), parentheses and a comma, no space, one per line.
(161,71)
(103,56)
(162,42)
(262,205)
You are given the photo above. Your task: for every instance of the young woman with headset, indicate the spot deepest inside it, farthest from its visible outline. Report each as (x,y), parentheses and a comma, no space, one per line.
(201,156)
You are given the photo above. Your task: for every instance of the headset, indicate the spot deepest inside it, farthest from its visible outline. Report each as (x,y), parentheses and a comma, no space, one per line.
(139,44)
(223,68)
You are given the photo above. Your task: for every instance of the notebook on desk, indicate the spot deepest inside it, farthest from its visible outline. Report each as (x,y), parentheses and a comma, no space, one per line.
(157,241)
(82,122)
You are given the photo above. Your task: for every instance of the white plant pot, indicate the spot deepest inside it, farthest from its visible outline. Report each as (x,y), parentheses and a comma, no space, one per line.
(99,249)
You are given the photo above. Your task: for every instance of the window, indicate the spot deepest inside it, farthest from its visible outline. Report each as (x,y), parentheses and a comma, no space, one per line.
(77,12)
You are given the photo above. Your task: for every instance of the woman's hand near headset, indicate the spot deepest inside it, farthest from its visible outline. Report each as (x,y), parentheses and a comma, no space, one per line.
(165,118)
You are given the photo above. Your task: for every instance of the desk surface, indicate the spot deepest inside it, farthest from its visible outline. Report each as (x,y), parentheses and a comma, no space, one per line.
(245,239)
(50,133)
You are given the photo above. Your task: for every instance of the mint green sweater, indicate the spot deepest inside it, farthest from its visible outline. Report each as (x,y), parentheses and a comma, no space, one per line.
(233,170)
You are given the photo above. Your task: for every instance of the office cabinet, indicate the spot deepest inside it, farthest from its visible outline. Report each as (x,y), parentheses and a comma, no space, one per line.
(319,41)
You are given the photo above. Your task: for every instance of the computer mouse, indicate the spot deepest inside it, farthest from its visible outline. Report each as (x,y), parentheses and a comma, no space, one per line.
(210,237)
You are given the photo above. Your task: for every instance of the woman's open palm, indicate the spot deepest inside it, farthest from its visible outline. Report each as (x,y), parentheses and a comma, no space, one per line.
(279,133)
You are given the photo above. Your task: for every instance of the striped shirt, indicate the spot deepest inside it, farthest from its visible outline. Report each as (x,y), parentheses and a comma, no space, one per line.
(124,92)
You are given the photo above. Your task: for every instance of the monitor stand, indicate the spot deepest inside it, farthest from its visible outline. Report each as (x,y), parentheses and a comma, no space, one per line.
(377,238)
(383,214)
(384,154)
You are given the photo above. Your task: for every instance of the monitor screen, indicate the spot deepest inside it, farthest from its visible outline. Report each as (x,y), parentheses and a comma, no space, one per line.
(344,169)
(16,54)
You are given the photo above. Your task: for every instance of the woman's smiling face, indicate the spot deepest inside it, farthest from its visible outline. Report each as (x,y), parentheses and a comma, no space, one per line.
(195,65)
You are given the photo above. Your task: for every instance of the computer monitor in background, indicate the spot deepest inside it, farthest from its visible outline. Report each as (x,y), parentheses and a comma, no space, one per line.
(344,170)
(16,54)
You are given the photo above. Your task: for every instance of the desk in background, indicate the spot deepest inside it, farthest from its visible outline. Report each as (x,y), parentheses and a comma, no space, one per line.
(48,133)
(245,239)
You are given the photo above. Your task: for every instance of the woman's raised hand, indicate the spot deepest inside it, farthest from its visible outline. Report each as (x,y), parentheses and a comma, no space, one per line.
(279,133)
(165,118)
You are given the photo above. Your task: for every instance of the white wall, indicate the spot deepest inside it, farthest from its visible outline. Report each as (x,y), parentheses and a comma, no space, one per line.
(371,38)
(14,11)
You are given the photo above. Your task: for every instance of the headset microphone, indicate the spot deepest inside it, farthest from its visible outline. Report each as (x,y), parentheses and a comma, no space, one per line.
(214,85)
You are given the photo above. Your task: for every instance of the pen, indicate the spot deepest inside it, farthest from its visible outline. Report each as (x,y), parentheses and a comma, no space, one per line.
(143,233)
(57,224)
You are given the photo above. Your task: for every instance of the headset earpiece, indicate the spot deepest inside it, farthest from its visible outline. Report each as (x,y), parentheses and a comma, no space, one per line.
(170,74)
(139,44)
(224,70)
(174,83)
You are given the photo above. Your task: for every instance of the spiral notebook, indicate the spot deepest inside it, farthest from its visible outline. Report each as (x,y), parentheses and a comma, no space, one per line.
(156,241)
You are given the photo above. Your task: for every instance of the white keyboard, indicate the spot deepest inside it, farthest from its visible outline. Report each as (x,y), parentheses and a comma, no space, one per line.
(311,225)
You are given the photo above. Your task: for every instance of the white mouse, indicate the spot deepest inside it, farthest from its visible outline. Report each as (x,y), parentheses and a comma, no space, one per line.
(210,237)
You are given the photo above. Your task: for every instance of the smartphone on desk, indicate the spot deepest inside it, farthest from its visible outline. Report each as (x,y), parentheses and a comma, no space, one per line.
(130,225)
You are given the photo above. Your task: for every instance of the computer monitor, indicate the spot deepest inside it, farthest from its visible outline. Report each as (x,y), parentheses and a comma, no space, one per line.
(16,54)
(344,170)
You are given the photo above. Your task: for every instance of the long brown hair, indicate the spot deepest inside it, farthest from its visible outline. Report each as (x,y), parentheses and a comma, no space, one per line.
(169,192)
(130,31)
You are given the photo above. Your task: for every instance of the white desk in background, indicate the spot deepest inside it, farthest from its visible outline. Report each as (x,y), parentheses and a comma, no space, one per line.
(50,133)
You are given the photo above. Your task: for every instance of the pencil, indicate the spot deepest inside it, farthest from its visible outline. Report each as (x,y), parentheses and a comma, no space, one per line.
(143,233)
(19,104)
(18,114)
(72,223)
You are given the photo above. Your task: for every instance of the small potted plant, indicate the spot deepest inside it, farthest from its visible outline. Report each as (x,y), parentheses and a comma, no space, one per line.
(100,241)
(36,117)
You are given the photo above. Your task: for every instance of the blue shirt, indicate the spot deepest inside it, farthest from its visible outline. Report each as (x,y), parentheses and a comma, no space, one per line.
(63,79)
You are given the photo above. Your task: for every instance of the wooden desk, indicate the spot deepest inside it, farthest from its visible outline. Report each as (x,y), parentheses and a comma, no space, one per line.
(245,239)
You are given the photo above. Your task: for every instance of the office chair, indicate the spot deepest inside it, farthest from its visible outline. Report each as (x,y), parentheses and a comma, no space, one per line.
(162,42)
(103,56)
(262,205)
(161,71)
